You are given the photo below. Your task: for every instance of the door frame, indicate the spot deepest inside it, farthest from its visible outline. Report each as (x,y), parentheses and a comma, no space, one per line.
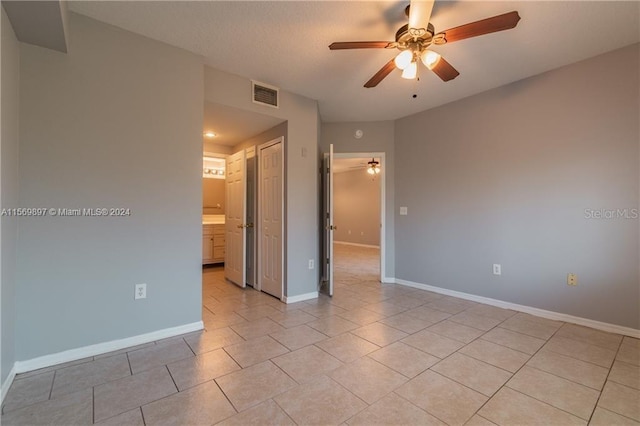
(383,218)
(327,224)
(258,154)
(251,157)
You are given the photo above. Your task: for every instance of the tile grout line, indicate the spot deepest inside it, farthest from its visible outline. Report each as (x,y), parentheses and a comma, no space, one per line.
(479,360)
(142,415)
(505,346)
(190,348)
(172,379)
(591,344)
(53,379)
(482,417)
(516,372)
(546,403)
(283,410)
(129,362)
(621,415)
(577,359)
(564,378)
(226,397)
(606,380)
(599,392)
(420,408)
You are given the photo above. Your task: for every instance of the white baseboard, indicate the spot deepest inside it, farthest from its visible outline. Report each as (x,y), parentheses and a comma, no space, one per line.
(300,297)
(355,244)
(7,383)
(102,348)
(389,280)
(598,325)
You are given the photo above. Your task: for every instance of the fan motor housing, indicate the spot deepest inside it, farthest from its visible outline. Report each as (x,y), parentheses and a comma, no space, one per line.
(406,34)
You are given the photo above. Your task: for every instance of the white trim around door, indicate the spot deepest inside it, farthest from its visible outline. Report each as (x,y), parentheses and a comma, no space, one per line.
(260,217)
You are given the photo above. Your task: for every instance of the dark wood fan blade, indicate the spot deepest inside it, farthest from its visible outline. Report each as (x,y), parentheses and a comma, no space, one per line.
(359,45)
(485,26)
(445,70)
(380,75)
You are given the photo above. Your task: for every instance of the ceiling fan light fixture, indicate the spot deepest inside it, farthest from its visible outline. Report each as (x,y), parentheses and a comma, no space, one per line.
(374,167)
(404,59)
(411,71)
(430,58)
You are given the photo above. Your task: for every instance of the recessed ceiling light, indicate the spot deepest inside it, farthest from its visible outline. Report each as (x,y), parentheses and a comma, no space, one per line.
(210,134)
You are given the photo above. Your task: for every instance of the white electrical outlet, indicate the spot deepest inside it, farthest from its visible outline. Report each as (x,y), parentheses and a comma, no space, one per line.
(497,269)
(311,264)
(572,279)
(140,291)
(403,211)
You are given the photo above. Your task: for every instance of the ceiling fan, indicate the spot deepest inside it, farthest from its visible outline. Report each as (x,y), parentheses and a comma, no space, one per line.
(373,166)
(414,39)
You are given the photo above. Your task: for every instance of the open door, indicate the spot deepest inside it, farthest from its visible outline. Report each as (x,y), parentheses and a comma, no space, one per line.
(250,239)
(326,286)
(235,256)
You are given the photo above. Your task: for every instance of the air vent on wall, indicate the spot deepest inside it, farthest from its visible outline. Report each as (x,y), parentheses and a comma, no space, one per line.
(264,94)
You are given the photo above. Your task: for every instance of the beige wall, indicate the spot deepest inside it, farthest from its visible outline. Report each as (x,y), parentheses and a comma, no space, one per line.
(116,122)
(213,196)
(9,181)
(209,147)
(264,137)
(356,207)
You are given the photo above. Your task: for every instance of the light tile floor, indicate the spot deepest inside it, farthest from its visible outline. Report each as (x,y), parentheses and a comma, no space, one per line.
(372,354)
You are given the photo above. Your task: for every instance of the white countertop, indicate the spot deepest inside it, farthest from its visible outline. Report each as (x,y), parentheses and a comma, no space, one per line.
(213,219)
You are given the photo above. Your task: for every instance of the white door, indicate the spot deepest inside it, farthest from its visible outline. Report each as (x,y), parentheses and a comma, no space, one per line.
(234,262)
(327,212)
(270,209)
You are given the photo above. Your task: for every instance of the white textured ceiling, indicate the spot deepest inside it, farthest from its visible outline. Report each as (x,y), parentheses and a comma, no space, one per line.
(284,43)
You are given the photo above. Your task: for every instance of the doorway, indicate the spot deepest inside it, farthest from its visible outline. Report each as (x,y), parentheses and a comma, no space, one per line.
(355,233)
(356,210)
(213,209)
(235,133)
